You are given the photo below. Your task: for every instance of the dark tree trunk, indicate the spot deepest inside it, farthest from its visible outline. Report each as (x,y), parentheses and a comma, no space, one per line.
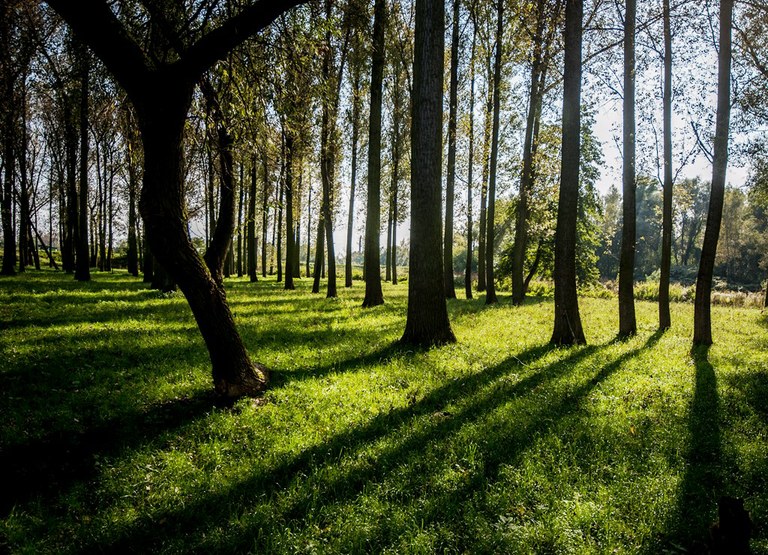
(264,212)
(162,208)
(279,229)
(241,201)
(388,255)
(289,228)
(487,127)
(133,185)
(702,322)
(490,285)
(567,325)
(251,239)
(69,238)
(526,178)
(450,182)
(149,262)
(353,181)
(24,208)
(221,240)
(470,165)
(319,254)
(309,228)
(373,293)
(82,262)
(665,319)
(8,123)
(427,321)
(627,321)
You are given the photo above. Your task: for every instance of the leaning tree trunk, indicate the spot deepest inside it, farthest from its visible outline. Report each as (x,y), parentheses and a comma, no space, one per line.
(450,181)
(373,293)
(427,321)
(627,321)
(665,319)
(219,247)
(567,325)
(162,208)
(702,321)
(490,285)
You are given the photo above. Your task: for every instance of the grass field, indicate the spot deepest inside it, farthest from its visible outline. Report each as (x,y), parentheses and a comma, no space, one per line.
(111,440)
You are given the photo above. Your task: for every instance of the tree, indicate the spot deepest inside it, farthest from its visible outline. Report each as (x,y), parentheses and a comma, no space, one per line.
(470,162)
(665,319)
(160,89)
(490,293)
(567,325)
(82,261)
(450,182)
(627,321)
(702,322)
(373,292)
(427,320)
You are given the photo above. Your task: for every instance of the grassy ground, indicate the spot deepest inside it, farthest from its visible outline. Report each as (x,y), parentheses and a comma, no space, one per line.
(111,441)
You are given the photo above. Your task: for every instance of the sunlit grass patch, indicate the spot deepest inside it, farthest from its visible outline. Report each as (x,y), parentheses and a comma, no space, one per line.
(496,444)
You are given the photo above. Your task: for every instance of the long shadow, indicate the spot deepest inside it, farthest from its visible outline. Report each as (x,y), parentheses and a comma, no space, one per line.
(397,423)
(703,478)
(50,465)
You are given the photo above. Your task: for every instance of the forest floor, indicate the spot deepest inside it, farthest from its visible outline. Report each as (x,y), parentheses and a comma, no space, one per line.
(111,440)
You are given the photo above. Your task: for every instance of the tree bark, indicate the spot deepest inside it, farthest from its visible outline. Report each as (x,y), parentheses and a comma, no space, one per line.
(470,164)
(82,262)
(627,321)
(665,319)
(264,210)
(427,320)
(490,285)
(7,93)
(290,245)
(251,243)
(450,182)
(567,324)
(487,127)
(702,321)
(373,293)
(356,79)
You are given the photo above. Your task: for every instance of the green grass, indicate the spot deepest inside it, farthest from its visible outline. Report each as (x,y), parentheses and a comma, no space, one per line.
(111,441)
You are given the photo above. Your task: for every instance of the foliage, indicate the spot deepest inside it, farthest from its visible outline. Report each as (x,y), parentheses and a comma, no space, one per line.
(499,443)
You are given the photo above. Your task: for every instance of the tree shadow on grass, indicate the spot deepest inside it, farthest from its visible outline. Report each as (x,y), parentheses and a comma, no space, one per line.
(703,478)
(477,395)
(50,465)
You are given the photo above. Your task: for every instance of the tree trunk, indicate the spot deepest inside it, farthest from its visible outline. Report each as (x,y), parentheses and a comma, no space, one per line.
(665,319)
(219,248)
(702,322)
(450,182)
(490,285)
(567,325)
(8,131)
(353,181)
(240,203)
(427,321)
(319,254)
(162,208)
(627,321)
(264,211)
(388,255)
(309,228)
(279,229)
(251,244)
(82,263)
(487,127)
(289,228)
(470,164)
(526,178)
(133,184)
(373,293)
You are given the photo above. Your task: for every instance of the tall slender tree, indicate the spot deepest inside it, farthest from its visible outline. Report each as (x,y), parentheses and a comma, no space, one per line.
(450,181)
(373,293)
(490,285)
(627,321)
(702,320)
(427,321)
(665,319)
(470,163)
(567,325)
(82,260)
